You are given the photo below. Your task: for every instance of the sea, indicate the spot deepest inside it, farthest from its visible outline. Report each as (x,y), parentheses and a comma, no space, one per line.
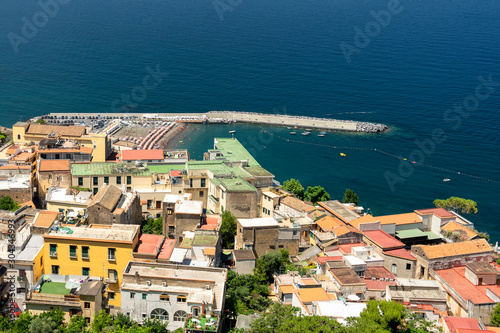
(428,69)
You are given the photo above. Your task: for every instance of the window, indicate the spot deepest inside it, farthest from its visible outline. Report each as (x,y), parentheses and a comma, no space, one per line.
(85,271)
(222,194)
(196,311)
(106,180)
(129,180)
(201,194)
(150,203)
(55,269)
(181,299)
(180,316)
(68,156)
(158,205)
(160,314)
(111,295)
(95,190)
(394,269)
(144,296)
(19,136)
(203,182)
(408,267)
(111,254)
(118,180)
(112,275)
(57,156)
(87,305)
(191,182)
(129,189)
(171,229)
(132,295)
(165,298)
(96,181)
(170,211)
(72,251)
(80,181)
(85,252)
(53,250)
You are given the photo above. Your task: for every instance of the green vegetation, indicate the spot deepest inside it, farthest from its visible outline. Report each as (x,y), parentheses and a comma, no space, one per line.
(379,317)
(460,205)
(350,197)
(495,315)
(152,226)
(53,322)
(228,229)
(313,193)
(294,186)
(6,203)
(272,263)
(79,189)
(2,136)
(41,122)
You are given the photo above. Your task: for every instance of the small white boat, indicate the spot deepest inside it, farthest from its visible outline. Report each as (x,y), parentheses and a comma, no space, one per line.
(321,135)
(293,133)
(288,127)
(446,180)
(306,133)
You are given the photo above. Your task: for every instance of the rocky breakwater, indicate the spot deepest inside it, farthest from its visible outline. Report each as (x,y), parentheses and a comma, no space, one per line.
(371,127)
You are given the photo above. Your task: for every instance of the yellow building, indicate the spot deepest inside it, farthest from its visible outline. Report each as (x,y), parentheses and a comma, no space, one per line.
(101,251)
(26,133)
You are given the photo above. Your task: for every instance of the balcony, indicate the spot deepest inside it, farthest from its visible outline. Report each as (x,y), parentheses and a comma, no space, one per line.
(53,254)
(111,258)
(111,280)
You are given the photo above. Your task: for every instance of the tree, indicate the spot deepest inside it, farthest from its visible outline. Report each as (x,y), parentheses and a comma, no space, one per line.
(6,203)
(350,197)
(228,229)
(41,121)
(311,324)
(270,263)
(152,226)
(155,326)
(272,320)
(495,315)
(315,194)
(460,205)
(295,187)
(77,324)
(102,321)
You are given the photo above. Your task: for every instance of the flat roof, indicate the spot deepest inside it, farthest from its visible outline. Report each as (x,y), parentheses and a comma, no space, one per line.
(167,249)
(345,276)
(189,207)
(397,219)
(45,219)
(165,168)
(243,254)
(237,184)
(309,295)
(258,222)
(142,154)
(400,253)
(115,233)
(233,150)
(173,198)
(108,168)
(340,309)
(204,240)
(440,212)
(33,247)
(338,209)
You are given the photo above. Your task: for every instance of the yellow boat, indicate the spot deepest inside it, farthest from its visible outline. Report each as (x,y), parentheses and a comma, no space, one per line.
(343,155)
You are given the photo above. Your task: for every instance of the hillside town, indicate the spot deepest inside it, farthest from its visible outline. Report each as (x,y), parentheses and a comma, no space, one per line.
(79,238)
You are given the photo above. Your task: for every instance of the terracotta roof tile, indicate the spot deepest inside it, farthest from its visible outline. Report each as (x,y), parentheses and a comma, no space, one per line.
(398,219)
(45,219)
(167,249)
(455,249)
(107,197)
(400,253)
(441,212)
(54,165)
(308,295)
(149,243)
(459,322)
(146,154)
(75,131)
(296,204)
(383,239)
(454,226)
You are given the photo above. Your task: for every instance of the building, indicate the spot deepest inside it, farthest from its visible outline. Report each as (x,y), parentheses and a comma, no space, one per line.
(397,259)
(185,296)
(101,251)
(339,210)
(449,255)
(142,155)
(435,218)
(347,281)
(414,291)
(186,216)
(52,173)
(112,206)
(74,295)
(26,267)
(244,261)
(264,234)
(66,200)
(388,223)
(148,248)
(377,279)
(18,187)
(168,207)
(472,289)
(26,133)
(94,176)
(292,207)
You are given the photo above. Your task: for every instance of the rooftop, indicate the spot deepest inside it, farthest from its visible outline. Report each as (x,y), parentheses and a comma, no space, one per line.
(347,248)
(107,168)
(296,204)
(440,212)
(115,233)
(258,222)
(73,131)
(165,168)
(398,219)
(383,239)
(233,150)
(166,249)
(482,267)
(455,323)
(18,181)
(236,184)
(45,219)
(34,245)
(340,309)
(339,210)
(142,154)
(400,253)
(54,165)
(457,227)
(415,289)
(455,249)
(243,254)
(258,171)
(173,198)
(309,295)
(149,244)
(189,207)
(107,197)
(204,240)
(64,195)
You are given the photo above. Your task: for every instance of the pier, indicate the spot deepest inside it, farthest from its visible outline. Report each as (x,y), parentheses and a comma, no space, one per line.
(221,117)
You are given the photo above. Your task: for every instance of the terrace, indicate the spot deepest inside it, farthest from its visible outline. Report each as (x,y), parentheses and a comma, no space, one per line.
(202,323)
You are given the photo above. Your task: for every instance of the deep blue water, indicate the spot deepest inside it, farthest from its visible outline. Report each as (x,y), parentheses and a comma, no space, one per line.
(272,56)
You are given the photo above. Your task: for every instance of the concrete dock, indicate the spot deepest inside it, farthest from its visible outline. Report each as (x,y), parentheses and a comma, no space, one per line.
(299,122)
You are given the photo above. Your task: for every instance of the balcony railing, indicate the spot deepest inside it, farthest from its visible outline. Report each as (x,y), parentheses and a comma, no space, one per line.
(111,280)
(53,253)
